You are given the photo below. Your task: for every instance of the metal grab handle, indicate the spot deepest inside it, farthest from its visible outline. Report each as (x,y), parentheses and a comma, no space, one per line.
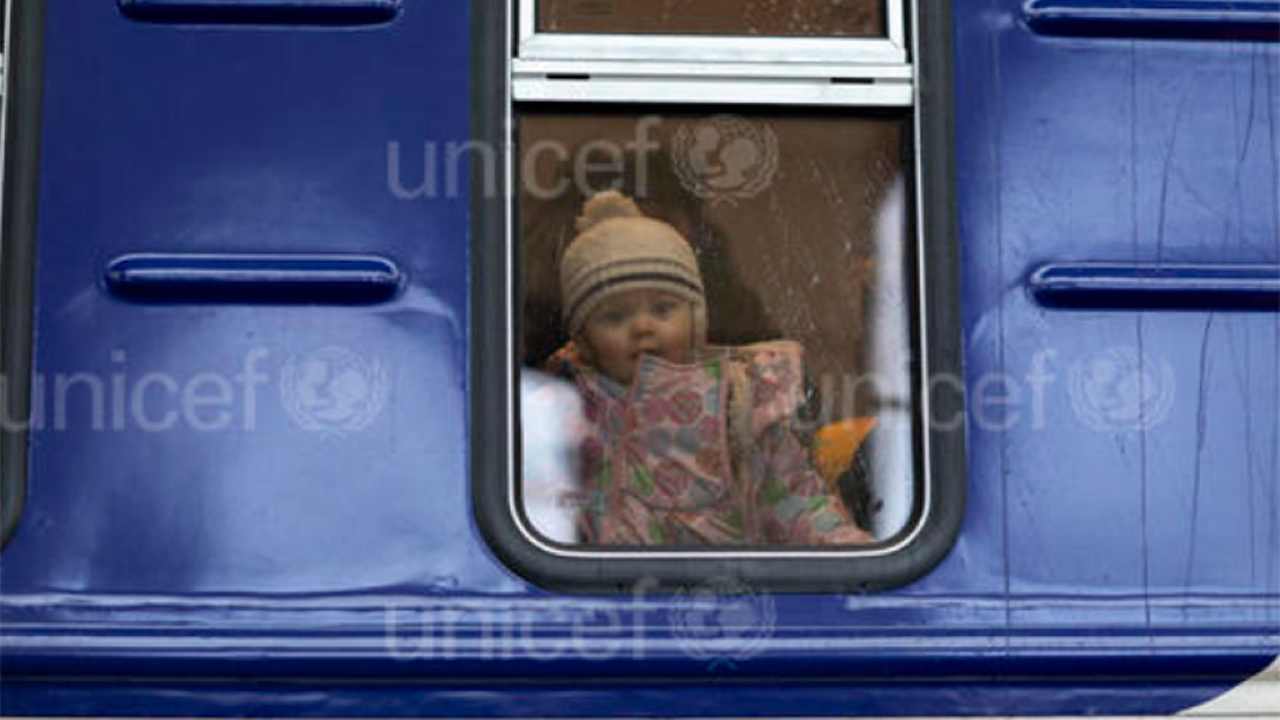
(262,12)
(253,279)
(1201,20)
(1157,286)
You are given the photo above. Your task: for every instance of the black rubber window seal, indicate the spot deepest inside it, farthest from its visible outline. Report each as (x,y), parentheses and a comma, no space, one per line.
(24,67)
(492,373)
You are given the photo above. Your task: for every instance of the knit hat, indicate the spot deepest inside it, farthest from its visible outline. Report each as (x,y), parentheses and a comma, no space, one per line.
(619,249)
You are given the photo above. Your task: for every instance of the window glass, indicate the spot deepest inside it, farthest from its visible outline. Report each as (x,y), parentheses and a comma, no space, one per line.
(792,424)
(783,18)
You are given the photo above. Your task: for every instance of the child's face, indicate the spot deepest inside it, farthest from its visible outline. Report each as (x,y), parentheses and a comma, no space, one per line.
(634,323)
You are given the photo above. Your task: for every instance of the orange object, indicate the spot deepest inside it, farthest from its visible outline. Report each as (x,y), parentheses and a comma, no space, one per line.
(834,446)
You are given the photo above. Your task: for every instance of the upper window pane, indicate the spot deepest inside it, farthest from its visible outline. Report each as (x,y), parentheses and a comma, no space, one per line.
(670,51)
(777,18)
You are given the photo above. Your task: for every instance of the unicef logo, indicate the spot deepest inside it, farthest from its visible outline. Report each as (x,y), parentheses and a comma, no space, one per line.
(333,390)
(722,621)
(725,158)
(1111,391)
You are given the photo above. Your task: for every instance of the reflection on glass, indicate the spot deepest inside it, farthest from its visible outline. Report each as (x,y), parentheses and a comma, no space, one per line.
(550,438)
(731,321)
(780,18)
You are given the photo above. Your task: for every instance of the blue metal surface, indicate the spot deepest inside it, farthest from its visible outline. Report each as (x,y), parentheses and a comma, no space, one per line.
(591,699)
(1144,151)
(342,567)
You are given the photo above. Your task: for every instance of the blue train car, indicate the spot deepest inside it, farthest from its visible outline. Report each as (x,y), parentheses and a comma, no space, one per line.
(280,278)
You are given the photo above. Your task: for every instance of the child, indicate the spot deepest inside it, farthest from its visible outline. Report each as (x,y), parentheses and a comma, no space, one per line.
(685,443)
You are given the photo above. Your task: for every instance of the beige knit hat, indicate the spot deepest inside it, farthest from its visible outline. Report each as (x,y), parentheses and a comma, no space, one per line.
(619,249)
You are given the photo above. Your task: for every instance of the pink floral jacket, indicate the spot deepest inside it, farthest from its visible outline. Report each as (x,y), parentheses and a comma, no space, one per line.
(701,454)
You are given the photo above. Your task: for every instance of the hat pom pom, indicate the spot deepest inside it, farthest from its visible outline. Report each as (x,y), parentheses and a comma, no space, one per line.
(603,206)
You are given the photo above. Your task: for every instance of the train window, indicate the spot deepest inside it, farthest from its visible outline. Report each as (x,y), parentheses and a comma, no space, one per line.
(779,212)
(805,18)
(798,39)
(723,344)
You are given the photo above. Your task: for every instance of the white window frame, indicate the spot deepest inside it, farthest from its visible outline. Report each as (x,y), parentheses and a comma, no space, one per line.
(534,45)
(591,67)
